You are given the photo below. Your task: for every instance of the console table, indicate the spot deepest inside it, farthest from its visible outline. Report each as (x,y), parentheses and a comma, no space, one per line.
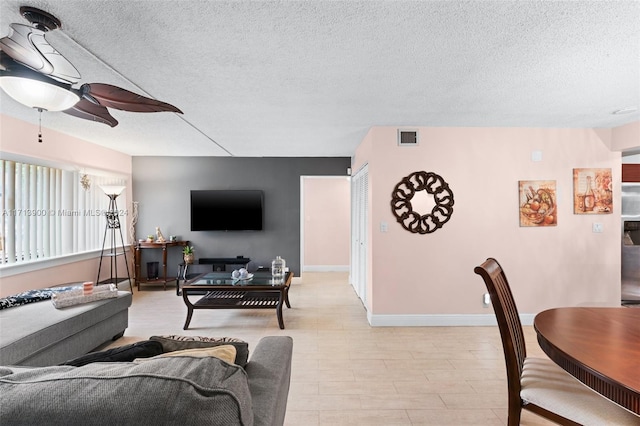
(141,245)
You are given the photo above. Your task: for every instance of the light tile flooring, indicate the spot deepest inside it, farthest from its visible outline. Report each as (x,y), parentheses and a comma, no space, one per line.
(346,372)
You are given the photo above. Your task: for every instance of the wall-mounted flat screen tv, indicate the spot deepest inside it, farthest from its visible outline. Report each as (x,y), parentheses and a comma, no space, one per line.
(226,210)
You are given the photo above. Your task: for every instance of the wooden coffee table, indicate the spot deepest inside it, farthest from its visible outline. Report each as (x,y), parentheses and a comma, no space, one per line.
(219,291)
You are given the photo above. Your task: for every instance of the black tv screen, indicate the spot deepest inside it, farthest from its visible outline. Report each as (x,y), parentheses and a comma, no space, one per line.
(226,210)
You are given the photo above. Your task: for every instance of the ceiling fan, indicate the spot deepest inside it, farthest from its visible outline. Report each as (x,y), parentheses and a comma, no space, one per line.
(35,74)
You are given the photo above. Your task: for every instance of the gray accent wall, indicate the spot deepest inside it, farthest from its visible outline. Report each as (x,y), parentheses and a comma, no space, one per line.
(162,185)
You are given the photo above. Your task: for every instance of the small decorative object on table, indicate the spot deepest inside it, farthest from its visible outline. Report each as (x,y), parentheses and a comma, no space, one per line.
(159,237)
(150,238)
(241,274)
(83,294)
(278,268)
(187,251)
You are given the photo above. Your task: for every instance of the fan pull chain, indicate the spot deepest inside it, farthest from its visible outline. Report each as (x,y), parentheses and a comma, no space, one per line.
(40,125)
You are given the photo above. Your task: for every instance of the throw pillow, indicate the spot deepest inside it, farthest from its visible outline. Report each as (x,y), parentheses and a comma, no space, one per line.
(226,353)
(174,343)
(126,353)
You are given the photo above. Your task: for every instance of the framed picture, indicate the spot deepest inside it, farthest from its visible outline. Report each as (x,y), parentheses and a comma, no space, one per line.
(538,203)
(592,191)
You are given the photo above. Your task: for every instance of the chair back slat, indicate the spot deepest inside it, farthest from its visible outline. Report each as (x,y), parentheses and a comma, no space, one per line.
(508,320)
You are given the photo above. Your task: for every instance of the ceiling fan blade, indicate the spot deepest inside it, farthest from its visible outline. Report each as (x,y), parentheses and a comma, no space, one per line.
(122,99)
(90,111)
(28,46)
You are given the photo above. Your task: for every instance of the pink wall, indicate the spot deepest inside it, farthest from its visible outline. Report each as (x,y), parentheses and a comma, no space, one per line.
(433,274)
(80,271)
(20,138)
(626,137)
(327,217)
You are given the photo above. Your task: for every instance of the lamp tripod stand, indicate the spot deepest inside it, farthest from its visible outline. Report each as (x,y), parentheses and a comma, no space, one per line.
(112,229)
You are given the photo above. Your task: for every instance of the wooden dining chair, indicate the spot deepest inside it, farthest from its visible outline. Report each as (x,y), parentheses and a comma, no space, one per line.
(538,384)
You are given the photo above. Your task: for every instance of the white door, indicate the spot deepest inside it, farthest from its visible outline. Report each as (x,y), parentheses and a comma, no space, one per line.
(359,226)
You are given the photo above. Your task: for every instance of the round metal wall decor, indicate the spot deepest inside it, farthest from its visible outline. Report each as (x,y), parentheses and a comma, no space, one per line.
(414,221)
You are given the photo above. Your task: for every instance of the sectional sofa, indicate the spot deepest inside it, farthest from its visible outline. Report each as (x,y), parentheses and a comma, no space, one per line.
(38,334)
(179,389)
(48,376)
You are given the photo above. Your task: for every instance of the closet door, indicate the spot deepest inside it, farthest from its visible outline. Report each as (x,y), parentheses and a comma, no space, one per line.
(359,226)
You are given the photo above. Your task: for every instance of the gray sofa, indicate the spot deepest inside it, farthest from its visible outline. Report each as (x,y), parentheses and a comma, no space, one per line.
(157,391)
(38,334)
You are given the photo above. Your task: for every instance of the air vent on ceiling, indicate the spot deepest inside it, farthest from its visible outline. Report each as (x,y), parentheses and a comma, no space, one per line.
(407,137)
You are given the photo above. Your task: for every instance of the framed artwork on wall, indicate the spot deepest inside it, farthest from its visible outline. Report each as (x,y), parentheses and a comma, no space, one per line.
(592,191)
(537,201)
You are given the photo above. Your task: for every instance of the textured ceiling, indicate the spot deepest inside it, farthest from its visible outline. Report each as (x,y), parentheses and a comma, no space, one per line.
(309,78)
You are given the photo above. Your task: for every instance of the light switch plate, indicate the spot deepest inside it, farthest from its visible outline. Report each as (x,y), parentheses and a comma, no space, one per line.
(597,227)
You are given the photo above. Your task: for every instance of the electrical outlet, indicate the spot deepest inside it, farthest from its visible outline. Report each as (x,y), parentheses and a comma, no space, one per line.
(597,227)
(486,300)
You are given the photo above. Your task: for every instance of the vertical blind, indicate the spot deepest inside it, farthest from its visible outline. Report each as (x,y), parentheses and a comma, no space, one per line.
(47,213)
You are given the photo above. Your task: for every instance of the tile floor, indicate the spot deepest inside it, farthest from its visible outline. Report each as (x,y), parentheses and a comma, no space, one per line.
(348,373)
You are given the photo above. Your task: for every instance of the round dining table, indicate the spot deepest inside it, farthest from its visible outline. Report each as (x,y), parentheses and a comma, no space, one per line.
(598,346)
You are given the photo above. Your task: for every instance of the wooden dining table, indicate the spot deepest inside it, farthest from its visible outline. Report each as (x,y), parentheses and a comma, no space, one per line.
(598,346)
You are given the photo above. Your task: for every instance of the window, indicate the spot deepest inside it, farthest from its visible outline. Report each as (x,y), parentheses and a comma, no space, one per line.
(49,212)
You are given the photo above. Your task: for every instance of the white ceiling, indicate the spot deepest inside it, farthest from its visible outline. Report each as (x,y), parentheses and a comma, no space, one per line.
(309,78)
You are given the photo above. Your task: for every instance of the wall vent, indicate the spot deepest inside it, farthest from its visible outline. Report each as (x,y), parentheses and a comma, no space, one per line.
(407,137)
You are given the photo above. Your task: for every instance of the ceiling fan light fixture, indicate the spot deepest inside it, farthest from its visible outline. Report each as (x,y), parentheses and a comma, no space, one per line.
(35,74)
(38,94)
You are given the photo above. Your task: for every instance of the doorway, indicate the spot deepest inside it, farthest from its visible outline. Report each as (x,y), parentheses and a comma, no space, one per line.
(325,223)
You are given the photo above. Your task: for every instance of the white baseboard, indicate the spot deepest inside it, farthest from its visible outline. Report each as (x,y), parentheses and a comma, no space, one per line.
(325,268)
(441,320)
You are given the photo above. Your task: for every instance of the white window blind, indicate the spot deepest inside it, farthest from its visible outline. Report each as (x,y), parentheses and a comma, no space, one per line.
(47,213)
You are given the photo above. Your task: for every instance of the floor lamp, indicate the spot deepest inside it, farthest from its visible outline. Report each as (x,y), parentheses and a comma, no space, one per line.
(112,229)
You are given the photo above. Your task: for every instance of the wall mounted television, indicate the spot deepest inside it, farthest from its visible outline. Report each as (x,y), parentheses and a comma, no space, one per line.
(226,210)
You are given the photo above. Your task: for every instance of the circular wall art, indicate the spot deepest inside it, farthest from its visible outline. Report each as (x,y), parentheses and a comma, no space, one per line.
(414,221)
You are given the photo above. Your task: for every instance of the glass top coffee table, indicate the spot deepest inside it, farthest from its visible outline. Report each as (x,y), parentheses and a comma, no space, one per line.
(220,291)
